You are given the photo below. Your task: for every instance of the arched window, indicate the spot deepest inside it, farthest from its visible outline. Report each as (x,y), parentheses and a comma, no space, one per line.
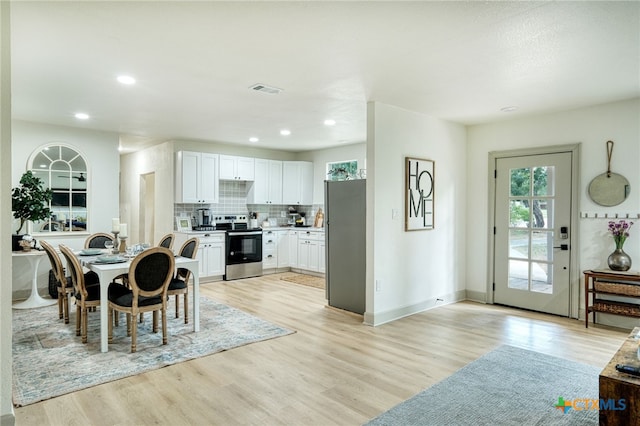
(64,170)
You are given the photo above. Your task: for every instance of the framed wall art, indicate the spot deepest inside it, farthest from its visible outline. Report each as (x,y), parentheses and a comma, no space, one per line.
(342,170)
(419,194)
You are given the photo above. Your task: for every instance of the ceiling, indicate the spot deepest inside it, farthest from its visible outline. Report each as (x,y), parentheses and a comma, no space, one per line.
(195,61)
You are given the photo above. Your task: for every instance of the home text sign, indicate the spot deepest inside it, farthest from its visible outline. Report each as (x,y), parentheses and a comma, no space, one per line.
(419,192)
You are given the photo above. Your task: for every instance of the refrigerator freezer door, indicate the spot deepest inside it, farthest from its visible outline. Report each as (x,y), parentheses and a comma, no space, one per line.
(345,218)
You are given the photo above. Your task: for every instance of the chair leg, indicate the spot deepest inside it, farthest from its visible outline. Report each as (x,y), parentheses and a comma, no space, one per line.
(78,318)
(186,308)
(129,324)
(65,308)
(164,326)
(85,314)
(155,321)
(134,332)
(177,306)
(60,309)
(110,327)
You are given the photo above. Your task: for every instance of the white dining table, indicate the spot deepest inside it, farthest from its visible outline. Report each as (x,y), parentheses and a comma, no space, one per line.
(108,271)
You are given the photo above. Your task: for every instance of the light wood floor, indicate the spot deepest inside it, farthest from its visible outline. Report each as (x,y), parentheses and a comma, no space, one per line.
(333,371)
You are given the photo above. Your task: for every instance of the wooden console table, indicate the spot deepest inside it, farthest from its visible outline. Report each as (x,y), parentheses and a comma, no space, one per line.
(612,283)
(614,386)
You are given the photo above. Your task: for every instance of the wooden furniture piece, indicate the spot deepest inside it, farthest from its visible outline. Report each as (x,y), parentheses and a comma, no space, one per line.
(611,283)
(64,286)
(107,272)
(149,276)
(87,296)
(615,386)
(180,283)
(97,240)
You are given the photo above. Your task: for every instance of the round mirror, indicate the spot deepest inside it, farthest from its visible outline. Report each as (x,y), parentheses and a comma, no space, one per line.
(609,189)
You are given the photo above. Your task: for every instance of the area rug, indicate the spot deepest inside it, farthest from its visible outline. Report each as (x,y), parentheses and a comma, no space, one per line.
(49,359)
(508,386)
(303,279)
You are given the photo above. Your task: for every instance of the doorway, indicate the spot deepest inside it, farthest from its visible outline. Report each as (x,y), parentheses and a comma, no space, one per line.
(147,208)
(534,236)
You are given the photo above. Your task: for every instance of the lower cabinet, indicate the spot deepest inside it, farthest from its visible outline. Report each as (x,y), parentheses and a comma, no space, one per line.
(311,253)
(211,251)
(284,249)
(211,256)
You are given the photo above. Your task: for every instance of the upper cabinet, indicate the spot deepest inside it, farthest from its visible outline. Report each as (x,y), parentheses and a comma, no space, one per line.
(237,168)
(267,186)
(297,182)
(196,177)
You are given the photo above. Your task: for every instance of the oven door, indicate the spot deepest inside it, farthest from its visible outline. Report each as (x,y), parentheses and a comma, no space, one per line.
(244,247)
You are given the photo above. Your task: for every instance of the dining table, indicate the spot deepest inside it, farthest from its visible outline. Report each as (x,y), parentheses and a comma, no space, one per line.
(109,270)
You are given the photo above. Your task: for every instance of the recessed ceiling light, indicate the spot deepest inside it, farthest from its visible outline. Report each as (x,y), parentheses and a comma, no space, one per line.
(329,122)
(509,109)
(253,139)
(82,116)
(285,132)
(126,79)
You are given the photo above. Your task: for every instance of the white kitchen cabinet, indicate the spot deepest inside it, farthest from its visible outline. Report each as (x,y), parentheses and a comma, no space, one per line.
(211,254)
(269,249)
(196,177)
(267,185)
(275,250)
(311,251)
(297,182)
(211,251)
(293,248)
(237,168)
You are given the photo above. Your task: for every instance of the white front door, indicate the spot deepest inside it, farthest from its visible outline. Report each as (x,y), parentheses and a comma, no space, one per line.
(532,232)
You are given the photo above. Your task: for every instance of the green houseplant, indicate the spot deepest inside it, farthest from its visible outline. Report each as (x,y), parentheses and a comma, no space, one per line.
(29,201)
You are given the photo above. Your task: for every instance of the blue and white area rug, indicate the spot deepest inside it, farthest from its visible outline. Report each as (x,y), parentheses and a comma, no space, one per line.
(49,359)
(507,386)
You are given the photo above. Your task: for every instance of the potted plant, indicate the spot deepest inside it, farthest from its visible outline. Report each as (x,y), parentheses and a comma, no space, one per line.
(29,201)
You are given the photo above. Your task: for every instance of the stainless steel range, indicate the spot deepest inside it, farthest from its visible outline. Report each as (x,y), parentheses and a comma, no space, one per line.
(243,247)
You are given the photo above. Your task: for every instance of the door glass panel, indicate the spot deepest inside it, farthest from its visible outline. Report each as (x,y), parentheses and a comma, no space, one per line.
(520,182)
(519,243)
(539,212)
(542,245)
(540,179)
(541,278)
(518,274)
(519,213)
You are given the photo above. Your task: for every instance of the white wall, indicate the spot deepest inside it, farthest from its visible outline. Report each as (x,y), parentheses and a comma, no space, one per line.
(592,127)
(321,157)
(100,149)
(413,268)
(7,417)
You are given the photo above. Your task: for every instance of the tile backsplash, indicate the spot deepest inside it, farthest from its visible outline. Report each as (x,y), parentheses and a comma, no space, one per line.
(233,200)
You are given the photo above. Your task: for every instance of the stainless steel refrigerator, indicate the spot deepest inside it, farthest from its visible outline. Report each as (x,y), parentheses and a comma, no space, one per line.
(345,235)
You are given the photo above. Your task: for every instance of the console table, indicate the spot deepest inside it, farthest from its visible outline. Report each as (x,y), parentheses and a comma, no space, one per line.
(612,283)
(614,385)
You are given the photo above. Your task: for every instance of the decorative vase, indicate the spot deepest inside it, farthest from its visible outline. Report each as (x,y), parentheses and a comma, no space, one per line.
(619,260)
(15,242)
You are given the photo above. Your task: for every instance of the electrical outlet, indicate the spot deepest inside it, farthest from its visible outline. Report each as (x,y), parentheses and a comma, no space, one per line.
(283,213)
(378,285)
(394,214)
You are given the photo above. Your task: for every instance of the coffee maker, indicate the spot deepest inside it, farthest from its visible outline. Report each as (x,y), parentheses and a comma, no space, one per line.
(204,217)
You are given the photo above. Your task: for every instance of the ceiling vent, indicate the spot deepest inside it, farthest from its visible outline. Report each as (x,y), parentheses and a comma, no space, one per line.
(266,89)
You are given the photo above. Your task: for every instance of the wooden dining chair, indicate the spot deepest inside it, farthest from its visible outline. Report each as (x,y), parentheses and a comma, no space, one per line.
(167,241)
(180,283)
(97,240)
(87,297)
(149,276)
(64,283)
